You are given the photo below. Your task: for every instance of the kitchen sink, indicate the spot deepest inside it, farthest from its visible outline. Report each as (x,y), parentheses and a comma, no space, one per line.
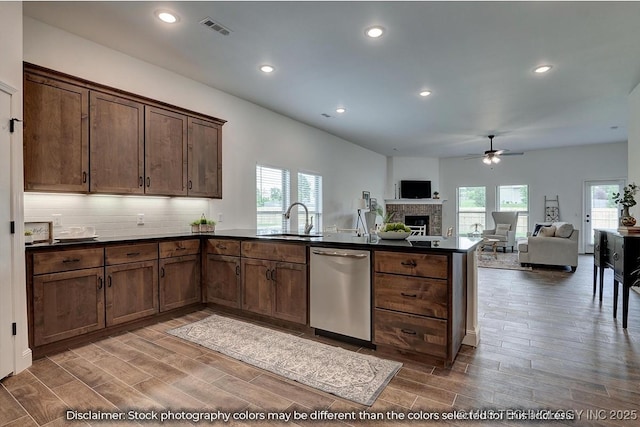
(292,236)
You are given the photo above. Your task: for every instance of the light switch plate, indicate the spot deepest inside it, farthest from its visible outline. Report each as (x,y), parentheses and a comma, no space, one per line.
(57,220)
(140,219)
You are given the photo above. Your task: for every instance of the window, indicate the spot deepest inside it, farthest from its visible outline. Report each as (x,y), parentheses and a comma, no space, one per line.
(516,198)
(272,198)
(472,209)
(310,193)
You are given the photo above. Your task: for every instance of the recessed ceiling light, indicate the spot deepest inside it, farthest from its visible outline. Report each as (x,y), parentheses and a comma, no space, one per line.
(374,32)
(425,93)
(542,69)
(340,110)
(166,16)
(267,68)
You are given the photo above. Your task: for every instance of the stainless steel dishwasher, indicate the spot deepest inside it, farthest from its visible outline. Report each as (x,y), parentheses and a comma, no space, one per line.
(340,292)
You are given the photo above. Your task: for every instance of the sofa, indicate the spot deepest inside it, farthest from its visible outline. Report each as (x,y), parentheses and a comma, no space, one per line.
(550,244)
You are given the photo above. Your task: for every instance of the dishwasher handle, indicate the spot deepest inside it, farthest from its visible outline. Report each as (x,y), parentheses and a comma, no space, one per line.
(340,254)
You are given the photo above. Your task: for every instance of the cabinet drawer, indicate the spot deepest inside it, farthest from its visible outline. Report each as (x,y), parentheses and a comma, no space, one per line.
(131,253)
(179,248)
(52,262)
(424,265)
(289,252)
(426,297)
(409,332)
(223,247)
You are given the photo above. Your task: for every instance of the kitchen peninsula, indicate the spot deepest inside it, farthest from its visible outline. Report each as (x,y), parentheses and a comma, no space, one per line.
(423,293)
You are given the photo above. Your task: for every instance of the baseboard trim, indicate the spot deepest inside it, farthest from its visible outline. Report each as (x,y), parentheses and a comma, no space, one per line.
(472,337)
(23,361)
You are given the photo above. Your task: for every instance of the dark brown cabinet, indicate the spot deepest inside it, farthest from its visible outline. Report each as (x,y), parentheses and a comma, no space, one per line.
(179,274)
(56,135)
(131,286)
(68,294)
(274,280)
(223,272)
(85,137)
(204,158)
(165,152)
(117,144)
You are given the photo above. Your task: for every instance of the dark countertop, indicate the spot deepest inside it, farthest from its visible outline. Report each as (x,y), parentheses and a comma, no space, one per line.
(344,240)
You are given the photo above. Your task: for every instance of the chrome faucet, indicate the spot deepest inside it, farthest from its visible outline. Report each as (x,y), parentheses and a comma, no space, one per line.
(307,226)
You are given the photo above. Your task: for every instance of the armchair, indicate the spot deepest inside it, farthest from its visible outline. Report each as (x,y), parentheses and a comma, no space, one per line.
(505,229)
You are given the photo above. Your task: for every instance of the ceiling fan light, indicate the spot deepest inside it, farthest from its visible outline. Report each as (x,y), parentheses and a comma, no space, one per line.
(495,159)
(486,160)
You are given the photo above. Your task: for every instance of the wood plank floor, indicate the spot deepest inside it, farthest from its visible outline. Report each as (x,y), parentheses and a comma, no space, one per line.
(546,343)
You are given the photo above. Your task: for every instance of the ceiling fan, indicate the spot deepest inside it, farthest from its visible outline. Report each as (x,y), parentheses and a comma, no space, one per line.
(492,156)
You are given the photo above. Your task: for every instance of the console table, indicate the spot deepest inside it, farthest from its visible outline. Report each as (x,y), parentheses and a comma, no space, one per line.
(620,252)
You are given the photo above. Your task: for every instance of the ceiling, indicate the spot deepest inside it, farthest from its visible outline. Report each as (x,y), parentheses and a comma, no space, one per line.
(477,58)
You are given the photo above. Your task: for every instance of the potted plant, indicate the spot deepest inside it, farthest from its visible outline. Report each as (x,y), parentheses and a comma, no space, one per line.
(627,200)
(28,237)
(195,226)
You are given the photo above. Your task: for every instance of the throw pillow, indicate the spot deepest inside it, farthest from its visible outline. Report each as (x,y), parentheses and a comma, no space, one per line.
(548,231)
(564,230)
(537,228)
(501,229)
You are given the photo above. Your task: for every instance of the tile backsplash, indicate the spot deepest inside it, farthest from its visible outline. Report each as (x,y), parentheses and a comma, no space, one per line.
(116,216)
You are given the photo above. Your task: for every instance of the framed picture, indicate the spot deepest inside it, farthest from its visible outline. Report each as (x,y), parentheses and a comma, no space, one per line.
(373,204)
(367,199)
(42,232)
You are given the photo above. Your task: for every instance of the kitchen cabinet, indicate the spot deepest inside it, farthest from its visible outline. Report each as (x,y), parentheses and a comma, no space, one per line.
(179,274)
(204,161)
(68,294)
(222,284)
(56,135)
(275,279)
(131,289)
(418,303)
(165,152)
(117,144)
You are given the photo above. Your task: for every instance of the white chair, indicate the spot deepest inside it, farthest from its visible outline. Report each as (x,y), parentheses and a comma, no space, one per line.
(504,230)
(418,230)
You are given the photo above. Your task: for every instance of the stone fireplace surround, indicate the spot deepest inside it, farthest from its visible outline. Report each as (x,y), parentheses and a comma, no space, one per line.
(412,207)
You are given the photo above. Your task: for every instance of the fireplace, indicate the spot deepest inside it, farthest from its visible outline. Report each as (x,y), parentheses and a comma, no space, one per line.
(417,220)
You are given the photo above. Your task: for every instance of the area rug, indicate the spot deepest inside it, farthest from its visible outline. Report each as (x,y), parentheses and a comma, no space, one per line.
(505,261)
(353,376)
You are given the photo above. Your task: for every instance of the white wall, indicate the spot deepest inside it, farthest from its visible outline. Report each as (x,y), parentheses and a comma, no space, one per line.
(634,140)
(412,168)
(13,287)
(559,171)
(251,135)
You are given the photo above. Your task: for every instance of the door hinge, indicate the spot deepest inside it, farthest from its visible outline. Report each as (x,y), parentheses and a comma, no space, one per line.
(14,329)
(12,226)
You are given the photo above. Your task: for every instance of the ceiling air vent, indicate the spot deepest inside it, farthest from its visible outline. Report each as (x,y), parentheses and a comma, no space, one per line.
(211,24)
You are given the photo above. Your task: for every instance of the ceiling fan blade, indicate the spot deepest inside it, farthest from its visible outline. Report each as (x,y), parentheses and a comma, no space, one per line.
(511,154)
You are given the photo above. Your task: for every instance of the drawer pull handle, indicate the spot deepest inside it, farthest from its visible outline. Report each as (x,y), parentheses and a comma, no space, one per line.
(140,181)
(99,282)
(180,248)
(109,281)
(237,270)
(410,263)
(190,185)
(408,331)
(219,246)
(266,274)
(133,254)
(161,271)
(273,276)
(148,182)
(84,177)
(71,260)
(409,295)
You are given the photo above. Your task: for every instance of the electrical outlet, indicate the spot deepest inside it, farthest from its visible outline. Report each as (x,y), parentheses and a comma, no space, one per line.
(140,219)
(57,220)
(219,216)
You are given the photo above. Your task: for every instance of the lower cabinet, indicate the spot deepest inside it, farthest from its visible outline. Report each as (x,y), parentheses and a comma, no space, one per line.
(179,274)
(271,286)
(222,284)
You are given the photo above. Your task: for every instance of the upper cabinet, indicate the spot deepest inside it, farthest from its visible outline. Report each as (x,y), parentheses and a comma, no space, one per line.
(117,144)
(84,137)
(56,135)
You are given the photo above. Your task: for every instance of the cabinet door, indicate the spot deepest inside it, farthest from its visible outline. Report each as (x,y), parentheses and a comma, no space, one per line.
(56,135)
(257,287)
(165,152)
(179,281)
(67,304)
(223,280)
(117,144)
(131,291)
(290,292)
(204,159)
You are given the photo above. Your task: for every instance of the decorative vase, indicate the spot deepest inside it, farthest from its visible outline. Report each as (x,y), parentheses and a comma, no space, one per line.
(626,219)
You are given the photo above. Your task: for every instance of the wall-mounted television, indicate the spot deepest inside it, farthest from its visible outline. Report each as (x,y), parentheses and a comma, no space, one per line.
(415,189)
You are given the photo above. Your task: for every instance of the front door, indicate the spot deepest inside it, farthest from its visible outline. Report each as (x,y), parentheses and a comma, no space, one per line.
(6,289)
(599,209)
